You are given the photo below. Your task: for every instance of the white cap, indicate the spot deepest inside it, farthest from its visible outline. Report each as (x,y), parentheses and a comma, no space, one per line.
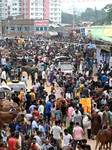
(97,110)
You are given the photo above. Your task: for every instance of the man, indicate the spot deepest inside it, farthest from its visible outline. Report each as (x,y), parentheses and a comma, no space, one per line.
(41,128)
(70,128)
(28,116)
(40,89)
(85,91)
(57,132)
(48,109)
(12,142)
(24,80)
(34,125)
(41,108)
(36,112)
(70,111)
(33,76)
(44,76)
(31,108)
(12,125)
(77,118)
(38,139)
(3,76)
(32,94)
(63,109)
(77,134)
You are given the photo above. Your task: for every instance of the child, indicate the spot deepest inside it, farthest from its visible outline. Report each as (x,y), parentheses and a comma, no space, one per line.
(68,140)
(3,133)
(89,127)
(53,114)
(58,114)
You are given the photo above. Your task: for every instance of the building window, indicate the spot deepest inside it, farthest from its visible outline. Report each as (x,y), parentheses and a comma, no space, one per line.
(37,28)
(26,29)
(25,9)
(24,3)
(12,29)
(19,29)
(41,28)
(45,28)
(19,9)
(31,13)
(6,28)
(31,8)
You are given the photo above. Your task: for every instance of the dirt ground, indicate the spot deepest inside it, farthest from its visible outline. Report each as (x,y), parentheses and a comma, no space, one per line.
(90,142)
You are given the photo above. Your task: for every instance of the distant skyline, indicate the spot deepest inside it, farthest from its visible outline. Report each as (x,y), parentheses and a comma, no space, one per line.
(99,4)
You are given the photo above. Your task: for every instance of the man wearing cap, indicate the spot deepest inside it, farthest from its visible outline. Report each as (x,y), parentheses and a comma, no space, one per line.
(12,108)
(96,123)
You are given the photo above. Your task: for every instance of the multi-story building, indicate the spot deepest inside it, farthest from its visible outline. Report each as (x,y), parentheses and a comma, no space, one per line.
(37,9)
(3,9)
(55,11)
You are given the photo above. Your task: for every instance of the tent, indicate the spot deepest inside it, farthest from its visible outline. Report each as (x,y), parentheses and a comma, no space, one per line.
(50,33)
(92,46)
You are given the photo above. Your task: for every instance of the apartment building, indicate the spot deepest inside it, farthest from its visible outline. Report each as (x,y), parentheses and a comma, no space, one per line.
(3,9)
(36,9)
(55,11)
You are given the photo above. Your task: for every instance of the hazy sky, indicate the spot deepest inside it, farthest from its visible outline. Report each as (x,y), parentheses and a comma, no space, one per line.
(85,3)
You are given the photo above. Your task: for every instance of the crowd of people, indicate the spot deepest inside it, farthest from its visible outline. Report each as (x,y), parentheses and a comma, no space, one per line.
(48,118)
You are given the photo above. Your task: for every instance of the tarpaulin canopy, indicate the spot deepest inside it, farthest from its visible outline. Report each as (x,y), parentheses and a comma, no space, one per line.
(92,46)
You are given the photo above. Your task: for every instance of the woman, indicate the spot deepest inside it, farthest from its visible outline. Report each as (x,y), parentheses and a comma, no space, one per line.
(58,92)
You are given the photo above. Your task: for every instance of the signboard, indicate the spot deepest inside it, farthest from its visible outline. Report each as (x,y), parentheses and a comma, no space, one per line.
(82,30)
(106,48)
(41,32)
(41,23)
(86,104)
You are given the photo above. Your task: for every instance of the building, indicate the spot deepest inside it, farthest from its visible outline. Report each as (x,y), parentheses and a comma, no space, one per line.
(3,9)
(55,11)
(16,25)
(37,9)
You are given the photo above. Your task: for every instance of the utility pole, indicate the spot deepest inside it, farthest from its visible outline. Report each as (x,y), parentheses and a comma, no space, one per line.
(96,17)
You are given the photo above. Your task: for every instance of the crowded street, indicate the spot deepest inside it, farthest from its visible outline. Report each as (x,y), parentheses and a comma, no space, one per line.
(54,95)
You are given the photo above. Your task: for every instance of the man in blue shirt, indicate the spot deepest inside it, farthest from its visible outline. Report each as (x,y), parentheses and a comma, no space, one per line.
(24,80)
(48,109)
(12,125)
(103,79)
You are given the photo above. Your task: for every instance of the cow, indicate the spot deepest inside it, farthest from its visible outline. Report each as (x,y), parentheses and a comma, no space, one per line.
(99,91)
(28,70)
(6,117)
(104,136)
(7,104)
(4,109)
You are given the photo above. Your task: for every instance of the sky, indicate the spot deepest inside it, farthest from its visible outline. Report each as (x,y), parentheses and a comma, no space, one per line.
(85,3)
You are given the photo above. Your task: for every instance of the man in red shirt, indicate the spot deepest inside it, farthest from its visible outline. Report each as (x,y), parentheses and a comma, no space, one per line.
(36,112)
(12,142)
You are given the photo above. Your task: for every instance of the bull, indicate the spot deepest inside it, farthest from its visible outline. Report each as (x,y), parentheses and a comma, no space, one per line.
(104,136)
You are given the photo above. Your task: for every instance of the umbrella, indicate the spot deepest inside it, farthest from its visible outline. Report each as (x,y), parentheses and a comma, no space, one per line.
(92,46)
(84,35)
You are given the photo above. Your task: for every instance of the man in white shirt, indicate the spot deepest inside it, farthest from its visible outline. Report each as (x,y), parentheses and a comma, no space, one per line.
(57,131)
(43,76)
(34,125)
(67,137)
(3,76)
(103,101)
(3,61)
(41,108)
(68,95)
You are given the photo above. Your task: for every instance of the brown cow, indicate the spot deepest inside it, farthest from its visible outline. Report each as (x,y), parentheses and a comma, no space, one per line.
(6,117)
(104,136)
(6,104)
(4,109)
(99,91)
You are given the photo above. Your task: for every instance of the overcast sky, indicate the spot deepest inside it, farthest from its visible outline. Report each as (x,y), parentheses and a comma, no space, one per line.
(85,3)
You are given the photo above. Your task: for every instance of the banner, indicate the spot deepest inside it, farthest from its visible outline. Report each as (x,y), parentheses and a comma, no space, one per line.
(86,104)
(98,57)
(20,41)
